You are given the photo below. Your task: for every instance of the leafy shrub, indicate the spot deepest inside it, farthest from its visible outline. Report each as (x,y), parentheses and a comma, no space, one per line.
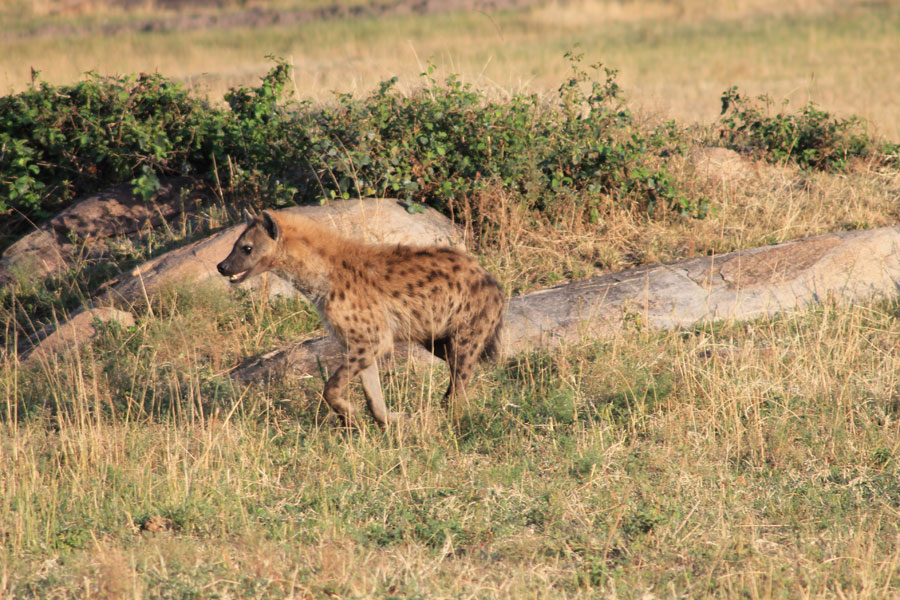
(812,138)
(448,140)
(59,142)
(256,139)
(438,146)
(435,147)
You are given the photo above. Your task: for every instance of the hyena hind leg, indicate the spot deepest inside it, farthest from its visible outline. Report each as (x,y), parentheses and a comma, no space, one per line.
(439,347)
(446,349)
(464,350)
(461,354)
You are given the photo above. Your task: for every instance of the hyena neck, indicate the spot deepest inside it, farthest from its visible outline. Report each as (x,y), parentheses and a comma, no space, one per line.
(307,259)
(310,277)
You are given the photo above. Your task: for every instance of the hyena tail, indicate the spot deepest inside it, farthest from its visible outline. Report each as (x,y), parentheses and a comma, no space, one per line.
(491,352)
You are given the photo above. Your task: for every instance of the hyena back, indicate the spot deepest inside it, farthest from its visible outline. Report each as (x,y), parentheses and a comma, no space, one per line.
(371,296)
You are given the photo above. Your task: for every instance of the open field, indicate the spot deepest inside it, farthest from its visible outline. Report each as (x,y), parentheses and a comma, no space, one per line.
(675,58)
(732,460)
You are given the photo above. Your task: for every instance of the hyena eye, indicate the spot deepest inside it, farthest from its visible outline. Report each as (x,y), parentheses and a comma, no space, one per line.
(247,249)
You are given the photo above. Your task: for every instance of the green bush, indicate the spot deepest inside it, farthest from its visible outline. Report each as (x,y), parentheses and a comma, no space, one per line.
(57,143)
(812,138)
(449,140)
(438,145)
(435,147)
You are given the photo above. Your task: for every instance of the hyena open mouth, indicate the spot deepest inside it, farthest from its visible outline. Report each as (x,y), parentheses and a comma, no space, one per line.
(238,277)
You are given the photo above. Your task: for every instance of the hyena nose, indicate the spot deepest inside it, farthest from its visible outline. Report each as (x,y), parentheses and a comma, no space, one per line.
(221,267)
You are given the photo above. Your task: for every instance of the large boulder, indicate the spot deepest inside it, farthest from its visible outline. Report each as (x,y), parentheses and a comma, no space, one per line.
(117,211)
(34,257)
(846,266)
(79,329)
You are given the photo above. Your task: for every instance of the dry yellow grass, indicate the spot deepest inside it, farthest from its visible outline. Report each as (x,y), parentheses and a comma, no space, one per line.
(675,58)
(734,460)
(755,205)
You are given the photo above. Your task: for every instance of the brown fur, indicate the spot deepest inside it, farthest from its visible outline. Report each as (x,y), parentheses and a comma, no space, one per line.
(371,296)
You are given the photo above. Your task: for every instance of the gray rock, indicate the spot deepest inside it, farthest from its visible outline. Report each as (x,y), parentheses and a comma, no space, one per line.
(51,248)
(847,266)
(117,211)
(34,257)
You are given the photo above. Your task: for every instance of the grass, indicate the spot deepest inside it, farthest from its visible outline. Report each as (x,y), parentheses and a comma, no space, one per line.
(763,205)
(736,459)
(731,460)
(675,58)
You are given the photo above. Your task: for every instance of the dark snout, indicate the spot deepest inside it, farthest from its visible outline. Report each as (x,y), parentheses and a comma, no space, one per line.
(235,269)
(227,267)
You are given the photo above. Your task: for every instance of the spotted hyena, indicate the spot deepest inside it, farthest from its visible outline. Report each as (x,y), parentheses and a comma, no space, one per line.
(371,296)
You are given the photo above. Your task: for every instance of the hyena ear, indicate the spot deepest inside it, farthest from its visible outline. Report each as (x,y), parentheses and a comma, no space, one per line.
(270,225)
(249,217)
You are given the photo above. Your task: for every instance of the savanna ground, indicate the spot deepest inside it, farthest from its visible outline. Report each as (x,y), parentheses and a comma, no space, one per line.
(737,459)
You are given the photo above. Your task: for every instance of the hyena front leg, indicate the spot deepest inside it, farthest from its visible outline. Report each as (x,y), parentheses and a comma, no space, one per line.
(372,388)
(358,359)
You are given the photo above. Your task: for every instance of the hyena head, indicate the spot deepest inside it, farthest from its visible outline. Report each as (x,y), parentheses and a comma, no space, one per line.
(255,249)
